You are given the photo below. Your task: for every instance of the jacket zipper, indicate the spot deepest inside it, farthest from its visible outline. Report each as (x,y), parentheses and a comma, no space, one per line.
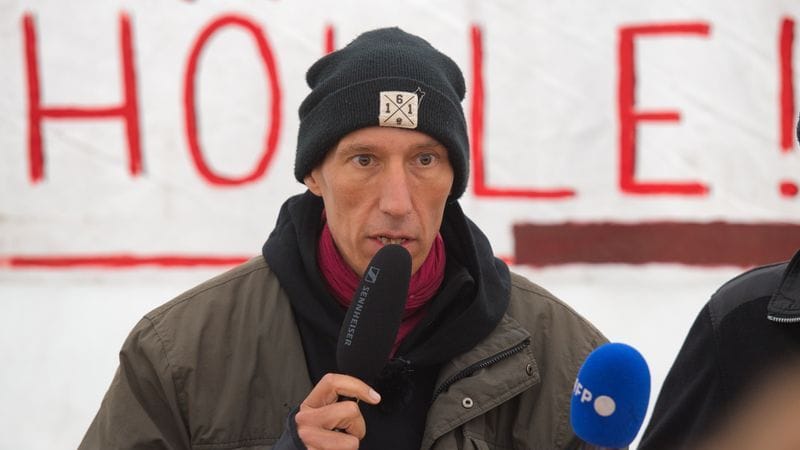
(779,319)
(482,364)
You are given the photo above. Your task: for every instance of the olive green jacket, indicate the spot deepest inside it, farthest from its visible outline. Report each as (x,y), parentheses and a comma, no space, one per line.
(221,366)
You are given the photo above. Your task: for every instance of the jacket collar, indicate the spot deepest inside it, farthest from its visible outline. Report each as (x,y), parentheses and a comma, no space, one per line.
(784,306)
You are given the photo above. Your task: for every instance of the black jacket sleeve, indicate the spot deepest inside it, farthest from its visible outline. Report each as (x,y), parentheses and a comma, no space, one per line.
(689,402)
(290,440)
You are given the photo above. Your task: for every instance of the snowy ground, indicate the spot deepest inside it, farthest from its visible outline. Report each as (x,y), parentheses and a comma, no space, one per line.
(61,330)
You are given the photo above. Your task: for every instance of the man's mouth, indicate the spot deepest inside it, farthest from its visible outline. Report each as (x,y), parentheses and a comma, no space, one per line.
(387,240)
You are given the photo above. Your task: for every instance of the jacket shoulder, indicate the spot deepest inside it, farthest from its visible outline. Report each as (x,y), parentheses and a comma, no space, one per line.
(246,299)
(755,284)
(216,344)
(538,309)
(217,288)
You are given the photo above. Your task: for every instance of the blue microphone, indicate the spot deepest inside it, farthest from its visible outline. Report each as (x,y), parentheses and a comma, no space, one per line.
(610,396)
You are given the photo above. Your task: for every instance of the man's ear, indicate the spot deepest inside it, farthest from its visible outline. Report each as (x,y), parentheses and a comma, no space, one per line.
(312,184)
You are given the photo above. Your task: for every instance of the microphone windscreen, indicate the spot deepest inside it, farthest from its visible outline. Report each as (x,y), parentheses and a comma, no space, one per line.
(373,318)
(610,396)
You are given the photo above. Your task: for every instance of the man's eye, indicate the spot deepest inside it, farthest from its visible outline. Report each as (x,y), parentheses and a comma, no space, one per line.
(427,159)
(362,160)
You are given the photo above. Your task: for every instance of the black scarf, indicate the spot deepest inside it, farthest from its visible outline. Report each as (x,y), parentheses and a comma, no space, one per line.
(474,296)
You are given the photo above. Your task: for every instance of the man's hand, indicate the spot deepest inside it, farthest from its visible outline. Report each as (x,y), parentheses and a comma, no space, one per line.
(325,423)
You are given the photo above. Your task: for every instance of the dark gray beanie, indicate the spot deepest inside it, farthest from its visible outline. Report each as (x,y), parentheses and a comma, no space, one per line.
(384,77)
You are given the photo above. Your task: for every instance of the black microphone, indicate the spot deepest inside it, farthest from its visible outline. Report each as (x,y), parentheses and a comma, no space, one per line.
(373,318)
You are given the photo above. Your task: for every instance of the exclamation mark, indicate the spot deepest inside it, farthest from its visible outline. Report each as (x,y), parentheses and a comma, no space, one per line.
(787,188)
(329,42)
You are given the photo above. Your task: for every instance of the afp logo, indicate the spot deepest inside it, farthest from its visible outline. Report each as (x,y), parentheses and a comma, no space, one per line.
(603,405)
(372,274)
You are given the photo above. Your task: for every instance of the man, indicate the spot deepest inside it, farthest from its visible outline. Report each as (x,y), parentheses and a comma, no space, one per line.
(728,388)
(483,358)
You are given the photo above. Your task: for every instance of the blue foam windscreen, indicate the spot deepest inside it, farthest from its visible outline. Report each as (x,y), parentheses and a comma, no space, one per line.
(610,396)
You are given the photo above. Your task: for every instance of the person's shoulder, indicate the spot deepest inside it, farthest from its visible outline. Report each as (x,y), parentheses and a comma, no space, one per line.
(539,309)
(246,297)
(527,288)
(757,284)
(527,295)
(238,288)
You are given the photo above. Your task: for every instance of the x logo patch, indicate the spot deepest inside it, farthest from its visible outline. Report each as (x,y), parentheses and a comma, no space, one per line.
(399,109)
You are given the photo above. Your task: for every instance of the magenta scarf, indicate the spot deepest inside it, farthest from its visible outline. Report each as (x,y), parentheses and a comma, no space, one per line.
(424,283)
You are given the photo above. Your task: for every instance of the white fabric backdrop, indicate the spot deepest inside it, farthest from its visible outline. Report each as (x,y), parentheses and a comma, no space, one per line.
(550,119)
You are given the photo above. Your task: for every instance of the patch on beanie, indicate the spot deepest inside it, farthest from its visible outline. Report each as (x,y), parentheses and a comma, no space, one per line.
(399,108)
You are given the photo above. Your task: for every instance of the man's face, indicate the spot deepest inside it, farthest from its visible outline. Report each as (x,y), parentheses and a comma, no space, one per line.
(383,185)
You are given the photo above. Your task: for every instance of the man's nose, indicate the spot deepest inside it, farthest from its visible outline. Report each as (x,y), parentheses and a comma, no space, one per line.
(395,192)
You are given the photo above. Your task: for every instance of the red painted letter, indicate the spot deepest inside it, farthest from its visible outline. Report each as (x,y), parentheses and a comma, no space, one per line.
(188,95)
(330,39)
(787,118)
(628,117)
(786,49)
(479,187)
(127,111)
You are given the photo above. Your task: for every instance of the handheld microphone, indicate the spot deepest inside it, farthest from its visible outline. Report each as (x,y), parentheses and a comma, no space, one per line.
(610,396)
(373,318)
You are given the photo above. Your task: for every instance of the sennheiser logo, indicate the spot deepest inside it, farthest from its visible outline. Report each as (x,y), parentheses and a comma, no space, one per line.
(399,108)
(358,308)
(372,274)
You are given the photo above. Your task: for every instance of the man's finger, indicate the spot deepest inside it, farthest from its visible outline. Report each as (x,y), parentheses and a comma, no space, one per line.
(332,386)
(341,416)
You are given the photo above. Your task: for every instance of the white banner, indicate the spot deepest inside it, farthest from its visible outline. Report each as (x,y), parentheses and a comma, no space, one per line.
(139,132)
(169,127)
